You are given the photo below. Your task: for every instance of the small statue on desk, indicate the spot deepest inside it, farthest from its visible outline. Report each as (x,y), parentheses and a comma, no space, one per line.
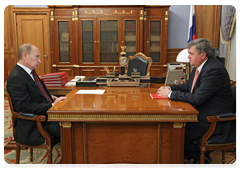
(106,69)
(123,48)
(123,60)
(109,71)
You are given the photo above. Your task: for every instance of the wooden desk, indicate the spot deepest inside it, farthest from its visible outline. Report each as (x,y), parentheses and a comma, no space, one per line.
(64,90)
(123,125)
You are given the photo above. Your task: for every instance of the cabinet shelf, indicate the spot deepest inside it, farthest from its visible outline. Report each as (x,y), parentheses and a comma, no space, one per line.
(108,41)
(131,49)
(87,30)
(86,41)
(109,52)
(109,30)
(130,38)
(63,31)
(96,37)
(155,38)
(64,51)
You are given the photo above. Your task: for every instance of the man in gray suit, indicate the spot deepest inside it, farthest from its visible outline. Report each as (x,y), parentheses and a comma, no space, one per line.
(208,90)
(28,97)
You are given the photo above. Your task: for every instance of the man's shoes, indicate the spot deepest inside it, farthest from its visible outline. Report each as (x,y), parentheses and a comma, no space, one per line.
(188,161)
(208,160)
(192,163)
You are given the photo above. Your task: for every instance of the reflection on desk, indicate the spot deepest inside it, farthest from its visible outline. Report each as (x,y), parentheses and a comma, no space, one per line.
(123,125)
(134,102)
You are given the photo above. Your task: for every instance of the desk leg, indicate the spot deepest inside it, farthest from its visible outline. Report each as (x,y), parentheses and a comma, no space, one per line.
(178,138)
(66,142)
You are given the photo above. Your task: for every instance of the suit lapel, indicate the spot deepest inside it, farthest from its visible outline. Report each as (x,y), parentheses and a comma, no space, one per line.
(200,74)
(191,79)
(29,79)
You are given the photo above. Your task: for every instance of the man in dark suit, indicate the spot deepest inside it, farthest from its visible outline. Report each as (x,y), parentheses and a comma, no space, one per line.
(28,97)
(208,90)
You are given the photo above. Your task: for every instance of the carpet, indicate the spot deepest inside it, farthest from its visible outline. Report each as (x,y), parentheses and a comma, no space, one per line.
(39,155)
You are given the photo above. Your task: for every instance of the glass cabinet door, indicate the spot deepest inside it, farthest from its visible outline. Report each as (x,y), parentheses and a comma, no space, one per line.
(87,41)
(108,40)
(63,40)
(155,40)
(130,37)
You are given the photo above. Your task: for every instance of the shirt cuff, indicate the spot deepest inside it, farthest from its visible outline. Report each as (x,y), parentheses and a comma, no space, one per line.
(52,104)
(169,94)
(169,87)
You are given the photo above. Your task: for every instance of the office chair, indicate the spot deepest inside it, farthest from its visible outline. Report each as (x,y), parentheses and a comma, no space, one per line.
(17,146)
(215,53)
(205,143)
(139,63)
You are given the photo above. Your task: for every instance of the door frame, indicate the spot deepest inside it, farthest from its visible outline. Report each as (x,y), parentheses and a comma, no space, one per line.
(34,11)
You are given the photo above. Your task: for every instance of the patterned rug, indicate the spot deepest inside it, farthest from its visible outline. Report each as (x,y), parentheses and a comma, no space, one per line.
(39,155)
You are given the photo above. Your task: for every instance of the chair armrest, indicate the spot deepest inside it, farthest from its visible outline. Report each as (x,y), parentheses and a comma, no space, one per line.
(39,119)
(29,116)
(222,117)
(227,115)
(214,120)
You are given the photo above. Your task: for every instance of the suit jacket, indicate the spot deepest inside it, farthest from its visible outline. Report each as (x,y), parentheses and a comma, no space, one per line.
(27,98)
(211,95)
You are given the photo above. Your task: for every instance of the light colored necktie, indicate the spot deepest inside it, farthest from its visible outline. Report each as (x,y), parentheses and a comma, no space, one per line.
(195,79)
(39,84)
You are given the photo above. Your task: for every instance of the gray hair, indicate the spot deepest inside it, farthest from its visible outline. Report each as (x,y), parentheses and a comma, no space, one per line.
(24,48)
(202,45)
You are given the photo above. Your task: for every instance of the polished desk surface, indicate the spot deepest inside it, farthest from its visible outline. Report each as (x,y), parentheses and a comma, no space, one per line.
(128,101)
(96,128)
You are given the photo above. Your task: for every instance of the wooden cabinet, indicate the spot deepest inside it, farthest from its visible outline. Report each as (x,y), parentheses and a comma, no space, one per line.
(62,37)
(85,39)
(155,42)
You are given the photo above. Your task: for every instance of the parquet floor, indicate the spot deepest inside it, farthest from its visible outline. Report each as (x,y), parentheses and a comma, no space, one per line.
(217,158)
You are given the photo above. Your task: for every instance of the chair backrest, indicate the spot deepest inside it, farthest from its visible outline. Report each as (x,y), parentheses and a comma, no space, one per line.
(139,63)
(234,94)
(12,111)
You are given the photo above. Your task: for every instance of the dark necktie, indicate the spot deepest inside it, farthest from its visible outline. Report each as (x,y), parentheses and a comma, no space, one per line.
(195,79)
(39,84)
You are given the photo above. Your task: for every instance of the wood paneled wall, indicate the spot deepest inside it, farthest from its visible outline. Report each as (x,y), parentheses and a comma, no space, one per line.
(208,22)
(172,54)
(9,42)
(11,39)
(207,26)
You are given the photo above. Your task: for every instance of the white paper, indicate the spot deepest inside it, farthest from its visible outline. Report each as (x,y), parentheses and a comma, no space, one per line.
(90,92)
(79,77)
(70,84)
(75,79)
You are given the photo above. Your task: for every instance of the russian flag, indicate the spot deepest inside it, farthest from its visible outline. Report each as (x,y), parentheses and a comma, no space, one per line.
(192,25)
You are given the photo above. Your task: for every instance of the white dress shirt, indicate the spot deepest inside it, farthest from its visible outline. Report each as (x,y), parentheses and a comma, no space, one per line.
(28,70)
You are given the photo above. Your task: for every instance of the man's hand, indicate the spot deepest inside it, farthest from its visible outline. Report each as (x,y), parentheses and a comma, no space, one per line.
(163,91)
(54,97)
(59,99)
